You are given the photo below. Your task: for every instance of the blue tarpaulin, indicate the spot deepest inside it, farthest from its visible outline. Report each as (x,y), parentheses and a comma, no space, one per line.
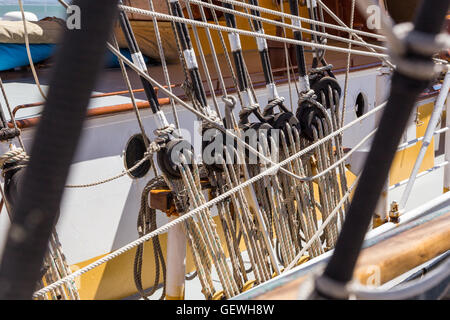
(15,55)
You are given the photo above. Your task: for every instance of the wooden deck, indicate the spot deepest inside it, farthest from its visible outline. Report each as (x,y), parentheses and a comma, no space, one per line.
(389,258)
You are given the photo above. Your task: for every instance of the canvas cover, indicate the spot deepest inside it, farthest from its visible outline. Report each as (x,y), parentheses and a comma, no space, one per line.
(45,31)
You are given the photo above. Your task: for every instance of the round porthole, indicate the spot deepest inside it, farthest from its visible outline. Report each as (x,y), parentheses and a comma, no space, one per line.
(134,152)
(360,105)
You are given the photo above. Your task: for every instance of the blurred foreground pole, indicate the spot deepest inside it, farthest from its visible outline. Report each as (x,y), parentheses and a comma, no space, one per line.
(78,63)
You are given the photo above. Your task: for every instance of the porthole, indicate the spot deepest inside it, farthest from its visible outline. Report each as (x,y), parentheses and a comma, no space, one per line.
(134,152)
(360,105)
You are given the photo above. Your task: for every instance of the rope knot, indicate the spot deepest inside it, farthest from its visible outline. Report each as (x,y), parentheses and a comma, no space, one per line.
(11,159)
(246,111)
(230,101)
(272,104)
(309,96)
(13,156)
(154,147)
(9,133)
(164,131)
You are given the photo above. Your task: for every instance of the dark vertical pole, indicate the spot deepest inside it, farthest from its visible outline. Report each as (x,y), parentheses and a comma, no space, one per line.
(236,49)
(138,59)
(404,93)
(189,54)
(299,50)
(264,54)
(76,71)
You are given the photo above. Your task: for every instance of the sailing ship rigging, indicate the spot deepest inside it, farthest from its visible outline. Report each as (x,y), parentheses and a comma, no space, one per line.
(276,184)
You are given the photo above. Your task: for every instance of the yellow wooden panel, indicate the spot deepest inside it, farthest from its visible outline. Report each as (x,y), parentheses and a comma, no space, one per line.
(404,160)
(114,279)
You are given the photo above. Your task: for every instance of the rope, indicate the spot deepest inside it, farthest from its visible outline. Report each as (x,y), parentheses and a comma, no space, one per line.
(166,17)
(302,19)
(225,52)
(248,228)
(223,196)
(336,18)
(13,156)
(289,66)
(133,102)
(164,65)
(27,45)
(214,54)
(347,71)
(321,228)
(203,60)
(170,129)
(146,223)
(285,227)
(221,128)
(57,266)
(146,157)
(285,25)
(201,207)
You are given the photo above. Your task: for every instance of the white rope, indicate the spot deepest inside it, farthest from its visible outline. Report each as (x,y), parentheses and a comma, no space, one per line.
(12,156)
(341,160)
(306,20)
(227,132)
(124,172)
(322,227)
(27,46)
(336,18)
(347,70)
(199,209)
(166,17)
(285,25)
(204,64)
(164,66)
